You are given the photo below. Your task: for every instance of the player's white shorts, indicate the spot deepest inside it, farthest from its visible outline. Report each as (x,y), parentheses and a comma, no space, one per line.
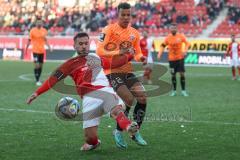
(97,103)
(149,61)
(235,62)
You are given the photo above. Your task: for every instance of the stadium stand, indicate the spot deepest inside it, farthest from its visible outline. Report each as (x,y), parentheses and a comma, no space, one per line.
(18,17)
(231,25)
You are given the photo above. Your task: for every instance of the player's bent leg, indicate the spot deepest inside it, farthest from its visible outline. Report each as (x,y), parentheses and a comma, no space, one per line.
(118,114)
(139,111)
(124,93)
(91,139)
(113,103)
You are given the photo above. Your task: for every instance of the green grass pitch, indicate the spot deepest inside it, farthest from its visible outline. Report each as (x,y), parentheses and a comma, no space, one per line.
(205,125)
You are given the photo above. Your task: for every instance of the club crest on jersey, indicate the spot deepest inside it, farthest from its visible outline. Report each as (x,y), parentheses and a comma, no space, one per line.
(178,40)
(132,37)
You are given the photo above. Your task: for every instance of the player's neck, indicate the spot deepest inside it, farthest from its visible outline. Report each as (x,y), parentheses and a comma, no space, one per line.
(123,27)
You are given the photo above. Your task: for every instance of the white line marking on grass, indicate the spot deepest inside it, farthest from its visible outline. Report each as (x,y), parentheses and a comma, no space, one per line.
(203,122)
(11,81)
(29,76)
(162,121)
(25,77)
(25,110)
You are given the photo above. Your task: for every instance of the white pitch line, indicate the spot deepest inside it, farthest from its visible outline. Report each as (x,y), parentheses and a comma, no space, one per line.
(25,110)
(203,122)
(25,77)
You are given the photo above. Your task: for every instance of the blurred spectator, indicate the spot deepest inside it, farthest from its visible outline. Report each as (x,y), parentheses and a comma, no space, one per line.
(21,15)
(182,17)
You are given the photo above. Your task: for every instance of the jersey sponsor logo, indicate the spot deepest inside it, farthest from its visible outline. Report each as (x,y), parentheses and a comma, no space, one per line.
(125,45)
(110,46)
(132,37)
(102,37)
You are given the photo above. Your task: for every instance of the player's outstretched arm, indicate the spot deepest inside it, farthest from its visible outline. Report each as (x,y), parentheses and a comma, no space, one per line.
(116,61)
(60,73)
(49,83)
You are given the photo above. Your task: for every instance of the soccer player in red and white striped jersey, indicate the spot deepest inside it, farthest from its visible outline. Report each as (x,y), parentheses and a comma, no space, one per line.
(92,85)
(233,52)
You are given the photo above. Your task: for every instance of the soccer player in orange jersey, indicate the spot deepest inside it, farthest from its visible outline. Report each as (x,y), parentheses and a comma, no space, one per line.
(176,55)
(38,39)
(119,39)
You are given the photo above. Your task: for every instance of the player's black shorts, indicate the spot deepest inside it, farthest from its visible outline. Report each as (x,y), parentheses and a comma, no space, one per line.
(38,58)
(177,66)
(118,79)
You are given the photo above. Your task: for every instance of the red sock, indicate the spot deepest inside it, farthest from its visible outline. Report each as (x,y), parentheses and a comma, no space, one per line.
(233,72)
(123,121)
(92,141)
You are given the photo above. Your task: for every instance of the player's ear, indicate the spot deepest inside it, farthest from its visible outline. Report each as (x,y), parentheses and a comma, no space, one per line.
(74,46)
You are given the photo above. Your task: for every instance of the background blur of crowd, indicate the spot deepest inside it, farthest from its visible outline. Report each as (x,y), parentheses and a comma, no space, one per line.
(18,16)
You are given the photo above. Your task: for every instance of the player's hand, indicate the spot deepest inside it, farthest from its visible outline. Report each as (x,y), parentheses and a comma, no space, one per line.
(184,53)
(159,56)
(130,50)
(31,98)
(143,60)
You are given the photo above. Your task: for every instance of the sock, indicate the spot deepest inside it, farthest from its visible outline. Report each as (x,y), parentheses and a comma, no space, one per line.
(174,83)
(122,121)
(36,74)
(233,72)
(139,113)
(40,72)
(182,79)
(92,141)
(126,113)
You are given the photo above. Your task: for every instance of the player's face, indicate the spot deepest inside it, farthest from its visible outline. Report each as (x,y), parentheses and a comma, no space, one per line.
(174,29)
(233,38)
(124,17)
(145,34)
(39,23)
(81,45)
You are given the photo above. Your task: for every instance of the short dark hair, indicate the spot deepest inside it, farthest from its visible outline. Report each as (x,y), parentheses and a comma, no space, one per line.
(79,35)
(123,5)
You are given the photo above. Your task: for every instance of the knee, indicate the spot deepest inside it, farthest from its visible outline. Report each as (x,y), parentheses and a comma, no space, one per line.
(182,75)
(129,100)
(142,99)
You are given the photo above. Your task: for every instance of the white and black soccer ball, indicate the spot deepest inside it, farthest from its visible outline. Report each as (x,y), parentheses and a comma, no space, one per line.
(68,107)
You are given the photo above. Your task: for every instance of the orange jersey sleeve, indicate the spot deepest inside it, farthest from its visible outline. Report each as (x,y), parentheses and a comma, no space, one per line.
(106,46)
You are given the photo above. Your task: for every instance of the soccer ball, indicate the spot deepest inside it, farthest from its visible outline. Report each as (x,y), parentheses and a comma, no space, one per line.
(67,107)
